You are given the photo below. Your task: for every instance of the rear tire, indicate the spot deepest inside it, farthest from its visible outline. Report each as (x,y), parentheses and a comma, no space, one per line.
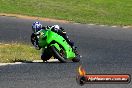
(77,59)
(58,55)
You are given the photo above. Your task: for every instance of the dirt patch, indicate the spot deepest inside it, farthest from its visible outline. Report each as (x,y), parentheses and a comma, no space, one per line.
(34,18)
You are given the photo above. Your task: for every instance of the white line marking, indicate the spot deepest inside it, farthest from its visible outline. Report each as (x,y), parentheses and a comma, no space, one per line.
(4,64)
(114,26)
(7,44)
(53,60)
(38,61)
(16,63)
(126,27)
(102,25)
(91,24)
(50,60)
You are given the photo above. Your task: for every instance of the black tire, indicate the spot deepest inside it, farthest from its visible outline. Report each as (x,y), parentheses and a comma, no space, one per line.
(77,59)
(46,55)
(58,56)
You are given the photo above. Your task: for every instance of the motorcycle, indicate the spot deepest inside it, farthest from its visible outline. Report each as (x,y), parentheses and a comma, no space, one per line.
(55,45)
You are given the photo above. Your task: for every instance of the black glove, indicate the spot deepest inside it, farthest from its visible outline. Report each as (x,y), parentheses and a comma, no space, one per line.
(63,31)
(34,41)
(33,38)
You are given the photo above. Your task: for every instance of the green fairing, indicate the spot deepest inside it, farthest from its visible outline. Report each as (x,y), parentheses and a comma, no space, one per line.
(47,37)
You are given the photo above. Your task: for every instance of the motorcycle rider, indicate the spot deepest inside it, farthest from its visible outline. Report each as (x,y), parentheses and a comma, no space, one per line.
(37,26)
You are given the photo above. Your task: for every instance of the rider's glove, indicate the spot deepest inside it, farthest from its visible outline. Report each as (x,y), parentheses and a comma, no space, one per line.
(63,31)
(34,41)
(36,45)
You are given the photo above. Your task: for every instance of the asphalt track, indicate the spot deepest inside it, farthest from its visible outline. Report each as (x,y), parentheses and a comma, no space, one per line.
(105,50)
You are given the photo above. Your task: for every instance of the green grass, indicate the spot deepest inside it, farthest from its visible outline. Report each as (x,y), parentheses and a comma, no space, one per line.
(18,52)
(111,12)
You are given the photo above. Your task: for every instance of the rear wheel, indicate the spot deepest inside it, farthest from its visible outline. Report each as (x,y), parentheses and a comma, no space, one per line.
(77,58)
(60,55)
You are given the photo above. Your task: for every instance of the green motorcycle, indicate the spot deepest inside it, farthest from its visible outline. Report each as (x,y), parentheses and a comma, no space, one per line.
(53,44)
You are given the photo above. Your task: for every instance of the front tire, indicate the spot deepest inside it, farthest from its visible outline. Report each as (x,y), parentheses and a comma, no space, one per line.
(57,55)
(46,55)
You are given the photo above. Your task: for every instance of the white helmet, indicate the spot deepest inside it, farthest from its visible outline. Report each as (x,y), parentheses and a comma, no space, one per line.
(56,26)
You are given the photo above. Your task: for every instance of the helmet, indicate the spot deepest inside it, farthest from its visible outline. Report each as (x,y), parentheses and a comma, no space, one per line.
(36,26)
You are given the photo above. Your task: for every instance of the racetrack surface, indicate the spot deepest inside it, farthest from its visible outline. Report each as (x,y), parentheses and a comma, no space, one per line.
(105,50)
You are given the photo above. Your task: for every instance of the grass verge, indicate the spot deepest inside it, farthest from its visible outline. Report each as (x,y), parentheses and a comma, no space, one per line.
(112,12)
(17,52)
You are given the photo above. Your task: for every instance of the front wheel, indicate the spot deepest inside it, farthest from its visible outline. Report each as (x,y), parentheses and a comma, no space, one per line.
(46,55)
(59,55)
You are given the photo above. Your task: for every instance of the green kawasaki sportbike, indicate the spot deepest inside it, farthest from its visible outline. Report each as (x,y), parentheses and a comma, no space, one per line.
(53,44)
